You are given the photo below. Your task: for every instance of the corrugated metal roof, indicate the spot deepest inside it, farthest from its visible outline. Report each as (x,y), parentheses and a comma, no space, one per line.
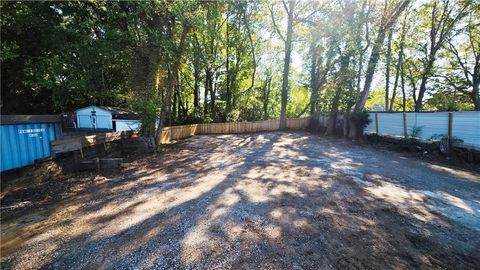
(39,118)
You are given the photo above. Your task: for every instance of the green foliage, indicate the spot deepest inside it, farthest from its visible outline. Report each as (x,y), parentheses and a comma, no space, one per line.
(233,115)
(59,56)
(416,131)
(298,100)
(448,101)
(376,100)
(197,117)
(147,109)
(360,119)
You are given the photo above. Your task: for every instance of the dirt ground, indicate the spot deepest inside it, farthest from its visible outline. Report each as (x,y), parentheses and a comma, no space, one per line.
(267,200)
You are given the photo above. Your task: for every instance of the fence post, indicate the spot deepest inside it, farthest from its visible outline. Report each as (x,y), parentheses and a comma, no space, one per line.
(450,130)
(405,133)
(376,123)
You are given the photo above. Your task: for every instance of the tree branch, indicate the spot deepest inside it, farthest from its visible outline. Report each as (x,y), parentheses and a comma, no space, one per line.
(460,62)
(285,6)
(275,24)
(253,50)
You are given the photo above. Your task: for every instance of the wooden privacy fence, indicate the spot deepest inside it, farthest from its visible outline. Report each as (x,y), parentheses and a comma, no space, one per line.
(239,127)
(180,132)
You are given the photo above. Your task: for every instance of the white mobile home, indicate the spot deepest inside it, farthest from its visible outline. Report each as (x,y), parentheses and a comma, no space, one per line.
(107,118)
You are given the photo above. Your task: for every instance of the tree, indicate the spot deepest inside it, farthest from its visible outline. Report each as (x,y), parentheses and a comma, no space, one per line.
(389,18)
(443,17)
(464,74)
(387,75)
(58,56)
(399,67)
(322,53)
(290,9)
(202,61)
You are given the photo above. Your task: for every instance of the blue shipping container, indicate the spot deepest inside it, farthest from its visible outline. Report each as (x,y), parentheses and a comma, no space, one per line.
(22,144)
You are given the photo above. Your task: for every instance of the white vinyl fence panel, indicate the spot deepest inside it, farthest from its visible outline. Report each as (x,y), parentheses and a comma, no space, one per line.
(389,124)
(371,127)
(430,124)
(466,125)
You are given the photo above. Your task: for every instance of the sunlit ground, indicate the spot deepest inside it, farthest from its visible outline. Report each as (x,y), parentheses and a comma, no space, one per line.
(271,200)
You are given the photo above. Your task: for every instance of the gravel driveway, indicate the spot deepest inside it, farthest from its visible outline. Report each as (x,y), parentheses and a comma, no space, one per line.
(267,200)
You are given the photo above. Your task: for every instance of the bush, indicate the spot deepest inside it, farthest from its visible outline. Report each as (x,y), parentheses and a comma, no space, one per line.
(148,110)
(233,116)
(416,132)
(360,119)
(197,117)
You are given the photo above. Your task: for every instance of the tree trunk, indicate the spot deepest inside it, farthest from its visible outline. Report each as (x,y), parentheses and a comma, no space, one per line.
(212,95)
(332,119)
(206,90)
(372,63)
(266,95)
(180,107)
(171,84)
(196,96)
(399,62)
(476,92)
(387,75)
(286,65)
(173,115)
(397,76)
(421,92)
(346,123)
(423,85)
(228,92)
(252,47)
(313,80)
(404,94)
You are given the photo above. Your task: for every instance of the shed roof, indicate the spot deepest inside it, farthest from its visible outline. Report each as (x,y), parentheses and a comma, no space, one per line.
(119,113)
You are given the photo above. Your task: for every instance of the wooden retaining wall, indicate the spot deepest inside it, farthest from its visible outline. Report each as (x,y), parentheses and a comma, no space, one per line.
(77,143)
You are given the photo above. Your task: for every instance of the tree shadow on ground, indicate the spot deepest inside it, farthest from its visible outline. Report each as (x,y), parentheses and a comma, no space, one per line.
(270,200)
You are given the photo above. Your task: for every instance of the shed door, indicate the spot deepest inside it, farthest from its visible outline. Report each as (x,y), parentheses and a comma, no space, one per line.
(93,119)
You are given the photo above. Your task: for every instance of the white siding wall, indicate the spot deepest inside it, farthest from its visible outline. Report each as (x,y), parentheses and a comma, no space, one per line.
(103,118)
(127,125)
(466,125)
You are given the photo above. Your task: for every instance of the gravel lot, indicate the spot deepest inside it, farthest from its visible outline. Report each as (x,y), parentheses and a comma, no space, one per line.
(267,200)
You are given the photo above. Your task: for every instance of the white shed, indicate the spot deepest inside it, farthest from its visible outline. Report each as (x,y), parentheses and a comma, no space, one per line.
(107,118)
